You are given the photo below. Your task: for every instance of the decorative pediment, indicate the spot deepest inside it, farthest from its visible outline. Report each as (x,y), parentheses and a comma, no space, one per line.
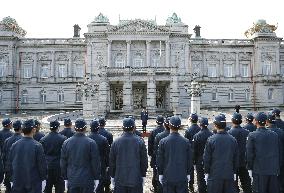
(138,26)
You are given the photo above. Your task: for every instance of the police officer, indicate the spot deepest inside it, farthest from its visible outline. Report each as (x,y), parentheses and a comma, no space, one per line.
(80,157)
(104,149)
(199,141)
(279,123)
(151,139)
(6,131)
(270,123)
(17,125)
(27,165)
(174,160)
(220,159)
(38,135)
(189,133)
(138,133)
(263,157)
(240,134)
(237,108)
(128,161)
(249,125)
(52,144)
(144,119)
(67,131)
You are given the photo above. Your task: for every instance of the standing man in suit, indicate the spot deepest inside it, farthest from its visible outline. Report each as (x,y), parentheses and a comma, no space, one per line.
(144,119)
(249,125)
(67,131)
(38,135)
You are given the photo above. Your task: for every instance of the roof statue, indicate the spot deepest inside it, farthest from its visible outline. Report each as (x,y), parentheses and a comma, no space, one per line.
(260,27)
(174,19)
(10,24)
(101,19)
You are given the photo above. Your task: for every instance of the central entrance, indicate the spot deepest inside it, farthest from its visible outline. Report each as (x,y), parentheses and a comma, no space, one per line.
(139,91)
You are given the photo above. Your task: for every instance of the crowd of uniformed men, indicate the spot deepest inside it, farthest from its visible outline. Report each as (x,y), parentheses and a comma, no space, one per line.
(71,160)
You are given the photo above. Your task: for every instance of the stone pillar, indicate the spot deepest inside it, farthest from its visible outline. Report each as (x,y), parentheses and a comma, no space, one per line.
(87,106)
(195,98)
(128,42)
(221,66)
(148,52)
(109,53)
(89,59)
(237,69)
(167,54)
(70,68)
(204,64)
(103,101)
(127,97)
(174,94)
(52,67)
(151,95)
(36,68)
(186,59)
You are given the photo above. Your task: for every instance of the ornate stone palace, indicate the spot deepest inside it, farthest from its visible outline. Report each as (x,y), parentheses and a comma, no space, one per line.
(137,63)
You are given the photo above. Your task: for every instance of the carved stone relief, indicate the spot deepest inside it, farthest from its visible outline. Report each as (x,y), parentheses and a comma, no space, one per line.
(44,56)
(27,57)
(78,56)
(268,56)
(4,58)
(61,56)
(212,56)
(229,56)
(196,67)
(196,56)
(244,56)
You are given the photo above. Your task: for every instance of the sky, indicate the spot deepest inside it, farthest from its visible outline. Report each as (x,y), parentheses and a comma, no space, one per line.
(219,19)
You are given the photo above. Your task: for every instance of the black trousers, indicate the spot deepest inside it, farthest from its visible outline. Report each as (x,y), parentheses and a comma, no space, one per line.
(126,189)
(243,175)
(175,187)
(35,189)
(81,190)
(265,184)
(281,179)
(155,182)
(202,187)
(103,187)
(144,124)
(221,186)
(54,179)
(191,182)
(7,183)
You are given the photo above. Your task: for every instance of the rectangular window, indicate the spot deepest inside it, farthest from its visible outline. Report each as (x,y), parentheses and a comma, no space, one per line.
(60,97)
(28,69)
(270,94)
(2,69)
(212,72)
(266,68)
(214,96)
(282,70)
(156,62)
(119,63)
(138,63)
(44,71)
(228,70)
(245,70)
(231,95)
(61,71)
(79,71)
(247,93)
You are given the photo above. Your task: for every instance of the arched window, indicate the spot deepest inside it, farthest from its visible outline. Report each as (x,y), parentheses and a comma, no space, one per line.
(43,96)
(156,60)
(79,95)
(1,96)
(138,61)
(214,94)
(270,94)
(231,95)
(24,96)
(247,94)
(119,61)
(60,96)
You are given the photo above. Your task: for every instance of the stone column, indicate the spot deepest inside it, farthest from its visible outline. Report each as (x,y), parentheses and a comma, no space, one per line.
(186,59)
(148,52)
(195,98)
(204,64)
(70,68)
(36,68)
(151,95)
(174,93)
(237,69)
(52,67)
(167,54)
(221,65)
(128,53)
(109,53)
(89,62)
(127,97)
(103,101)
(277,67)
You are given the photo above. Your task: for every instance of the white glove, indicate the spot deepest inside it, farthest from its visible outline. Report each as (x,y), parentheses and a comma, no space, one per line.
(188,178)
(161,179)
(43,184)
(194,166)
(112,183)
(206,178)
(11,183)
(235,177)
(143,181)
(250,174)
(96,184)
(66,184)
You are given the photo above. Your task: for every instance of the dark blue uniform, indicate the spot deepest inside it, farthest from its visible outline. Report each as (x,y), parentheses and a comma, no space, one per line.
(128,163)
(250,127)
(106,134)
(279,123)
(4,134)
(240,134)
(80,163)
(263,158)
(67,132)
(221,162)
(174,162)
(27,165)
(38,135)
(144,119)
(52,144)
(104,149)
(199,141)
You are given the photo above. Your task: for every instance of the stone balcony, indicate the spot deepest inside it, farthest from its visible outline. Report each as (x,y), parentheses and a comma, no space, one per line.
(55,41)
(222,42)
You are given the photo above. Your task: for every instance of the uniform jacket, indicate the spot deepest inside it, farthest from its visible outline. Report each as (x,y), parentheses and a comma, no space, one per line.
(250,127)
(144,116)
(221,156)
(151,141)
(128,160)
(80,161)
(38,136)
(263,152)
(280,134)
(191,131)
(199,141)
(27,165)
(174,158)
(106,134)
(158,138)
(4,134)
(279,123)
(52,144)
(67,132)
(240,134)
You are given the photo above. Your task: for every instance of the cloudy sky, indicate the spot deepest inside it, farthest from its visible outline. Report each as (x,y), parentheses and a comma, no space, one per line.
(218,18)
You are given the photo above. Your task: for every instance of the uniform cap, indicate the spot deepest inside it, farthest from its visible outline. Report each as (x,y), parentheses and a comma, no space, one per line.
(219,119)
(167,121)
(271,117)
(17,124)
(203,121)
(193,117)
(276,111)
(175,121)
(67,121)
(160,119)
(223,115)
(261,117)
(37,123)
(80,124)
(29,124)
(54,124)
(237,117)
(6,122)
(132,117)
(250,117)
(94,124)
(128,123)
(102,121)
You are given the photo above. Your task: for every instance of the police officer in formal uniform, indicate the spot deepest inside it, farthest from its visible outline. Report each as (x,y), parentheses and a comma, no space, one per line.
(263,157)
(67,131)
(38,135)
(27,164)
(174,160)
(240,134)
(199,141)
(52,144)
(104,149)
(128,161)
(220,159)
(249,125)
(17,125)
(189,133)
(144,119)
(270,123)
(278,122)
(80,161)
(138,133)
(151,139)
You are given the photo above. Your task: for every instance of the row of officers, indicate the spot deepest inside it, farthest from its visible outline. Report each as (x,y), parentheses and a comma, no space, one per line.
(252,154)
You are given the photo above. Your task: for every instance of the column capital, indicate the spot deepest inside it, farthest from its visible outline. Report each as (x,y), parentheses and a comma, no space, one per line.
(167,42)
(148,41)
(128,41)
(109,41)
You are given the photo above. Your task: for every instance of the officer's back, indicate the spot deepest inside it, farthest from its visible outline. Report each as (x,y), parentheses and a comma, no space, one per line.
(249,125)
(67,131)
(38,135)
(193,128)
(278,121)
(104,132)
(161,135)
(6,131)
